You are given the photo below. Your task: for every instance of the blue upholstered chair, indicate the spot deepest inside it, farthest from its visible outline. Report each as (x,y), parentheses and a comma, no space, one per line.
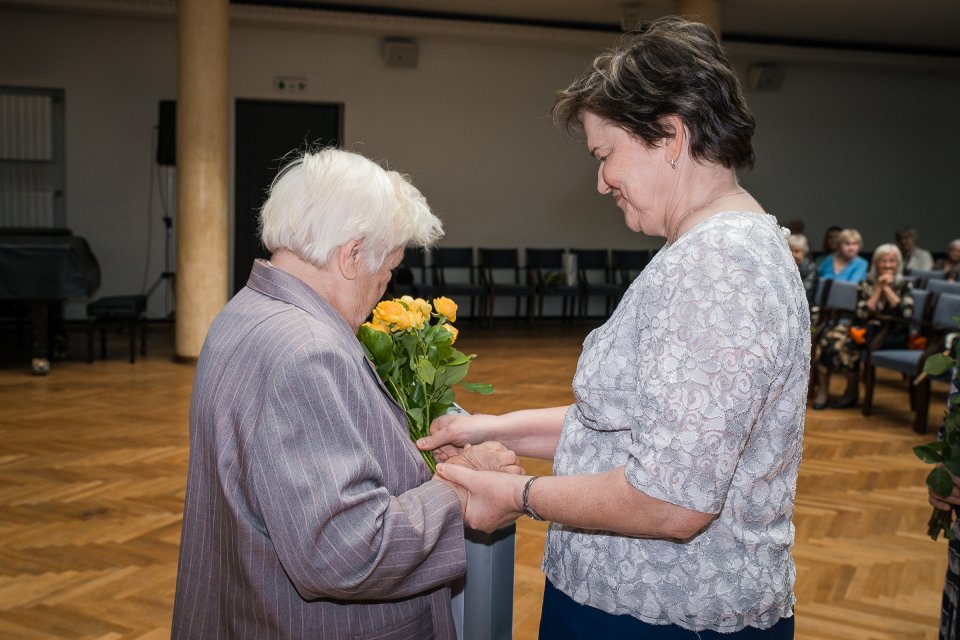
(942,286)
(837,302)
(922,278)
(945,307)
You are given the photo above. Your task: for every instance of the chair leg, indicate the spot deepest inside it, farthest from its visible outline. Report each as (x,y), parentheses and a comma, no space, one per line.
(103,343)
(869,377)
(132,329)
(90,343)
(923,406)
(143,338)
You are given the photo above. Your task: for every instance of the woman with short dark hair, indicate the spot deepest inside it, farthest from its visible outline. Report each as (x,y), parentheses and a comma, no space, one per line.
(675,469)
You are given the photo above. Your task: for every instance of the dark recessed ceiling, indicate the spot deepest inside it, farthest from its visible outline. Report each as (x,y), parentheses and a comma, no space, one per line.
(906,26)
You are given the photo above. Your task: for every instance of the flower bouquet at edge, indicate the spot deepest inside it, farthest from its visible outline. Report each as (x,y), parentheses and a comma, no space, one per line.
(945,453)
(410,343)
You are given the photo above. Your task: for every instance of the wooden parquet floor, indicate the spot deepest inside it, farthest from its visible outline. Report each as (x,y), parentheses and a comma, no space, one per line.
(93,465)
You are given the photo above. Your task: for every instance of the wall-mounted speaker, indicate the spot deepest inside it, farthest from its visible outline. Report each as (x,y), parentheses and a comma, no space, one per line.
(400,52)
(765,77)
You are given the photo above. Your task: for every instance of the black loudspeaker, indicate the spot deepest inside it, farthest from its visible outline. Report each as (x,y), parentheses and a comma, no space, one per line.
(167,133)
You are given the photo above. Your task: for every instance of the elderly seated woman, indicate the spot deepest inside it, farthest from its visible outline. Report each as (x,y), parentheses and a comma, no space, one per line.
(883,293)
(950,265)
(309,512)
(845,263)
(800,250)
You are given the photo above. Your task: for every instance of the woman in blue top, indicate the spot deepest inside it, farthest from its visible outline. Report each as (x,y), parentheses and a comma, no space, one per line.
(846,264)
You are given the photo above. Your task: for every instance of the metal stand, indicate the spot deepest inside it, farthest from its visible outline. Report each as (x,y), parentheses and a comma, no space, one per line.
(168,277)
(483,601)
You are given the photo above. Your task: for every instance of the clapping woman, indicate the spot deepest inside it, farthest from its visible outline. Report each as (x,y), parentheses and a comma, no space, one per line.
(884,292)
(675,469)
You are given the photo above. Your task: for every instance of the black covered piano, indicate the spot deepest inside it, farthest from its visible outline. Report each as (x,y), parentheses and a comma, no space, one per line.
(39,270)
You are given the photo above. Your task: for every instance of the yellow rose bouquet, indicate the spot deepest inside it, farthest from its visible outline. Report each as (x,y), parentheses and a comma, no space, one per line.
(410,342)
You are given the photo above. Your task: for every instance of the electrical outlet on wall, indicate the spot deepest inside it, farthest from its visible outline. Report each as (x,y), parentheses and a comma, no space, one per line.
(290,84)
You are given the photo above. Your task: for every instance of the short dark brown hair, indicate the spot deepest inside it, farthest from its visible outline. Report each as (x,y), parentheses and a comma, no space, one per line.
(669,67)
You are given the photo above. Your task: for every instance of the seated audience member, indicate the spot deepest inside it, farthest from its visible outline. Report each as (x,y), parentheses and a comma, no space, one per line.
(951,264)
(845,262)
(800,249)
(829,244)
(883,293)
(913,256)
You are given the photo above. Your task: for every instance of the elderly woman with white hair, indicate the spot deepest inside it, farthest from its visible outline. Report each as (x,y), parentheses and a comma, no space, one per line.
(884,292)
(800,250)
(309,513)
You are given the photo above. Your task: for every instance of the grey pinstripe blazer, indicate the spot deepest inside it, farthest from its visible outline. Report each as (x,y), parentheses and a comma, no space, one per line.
(309,513)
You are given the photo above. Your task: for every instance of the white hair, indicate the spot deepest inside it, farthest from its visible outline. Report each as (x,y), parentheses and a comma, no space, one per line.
(322,200)
(798,241)
(954,244)
(882,250)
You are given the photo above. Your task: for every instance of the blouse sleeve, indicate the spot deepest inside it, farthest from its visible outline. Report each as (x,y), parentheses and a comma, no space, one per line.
(718,338)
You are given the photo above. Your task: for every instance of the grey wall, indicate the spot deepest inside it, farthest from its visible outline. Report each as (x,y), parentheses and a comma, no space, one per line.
(871,149)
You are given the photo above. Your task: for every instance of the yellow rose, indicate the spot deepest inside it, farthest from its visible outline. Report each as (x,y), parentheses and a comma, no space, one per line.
(446,308)
(453,331)
(388,312)
(423,307)
(376,326)
(410,320)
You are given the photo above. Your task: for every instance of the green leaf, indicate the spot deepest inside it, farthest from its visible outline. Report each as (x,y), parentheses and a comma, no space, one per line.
(478,387)
(940,482)
(448,375)
(953,464)
(416,416)
(459,358)
(378,344)
(930,452)
(425,370)
(937,364)
(446,397)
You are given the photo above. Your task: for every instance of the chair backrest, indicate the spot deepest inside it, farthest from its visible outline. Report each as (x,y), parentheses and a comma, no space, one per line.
(942,286)
(414,257)
(921,298)
(946,308)
(545,259)
(923,277)
(630,259)
(499,258)
(591,258)
(457,258)
(491,260)
(841,295)
(628,263)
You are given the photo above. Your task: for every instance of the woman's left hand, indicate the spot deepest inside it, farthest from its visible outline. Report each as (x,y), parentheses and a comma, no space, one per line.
(493,498)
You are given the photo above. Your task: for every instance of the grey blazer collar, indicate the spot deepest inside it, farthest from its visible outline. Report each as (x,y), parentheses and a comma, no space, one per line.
(280,285)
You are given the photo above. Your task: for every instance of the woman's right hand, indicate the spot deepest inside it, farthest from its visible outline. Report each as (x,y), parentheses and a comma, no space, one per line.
(449,433)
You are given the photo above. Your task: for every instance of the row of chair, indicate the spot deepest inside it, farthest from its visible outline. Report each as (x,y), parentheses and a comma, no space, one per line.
(935,308)
(488,274)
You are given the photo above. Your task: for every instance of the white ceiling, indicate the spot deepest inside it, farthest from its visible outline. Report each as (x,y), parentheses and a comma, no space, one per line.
(915,26)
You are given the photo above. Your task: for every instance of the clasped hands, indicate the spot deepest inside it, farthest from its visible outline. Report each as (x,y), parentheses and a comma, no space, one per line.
(486,475)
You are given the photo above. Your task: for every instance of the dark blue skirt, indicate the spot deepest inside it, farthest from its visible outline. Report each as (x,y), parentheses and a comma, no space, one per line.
(564,619)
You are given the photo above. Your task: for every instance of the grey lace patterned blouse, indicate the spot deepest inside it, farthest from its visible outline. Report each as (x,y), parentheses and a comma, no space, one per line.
(696,385)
